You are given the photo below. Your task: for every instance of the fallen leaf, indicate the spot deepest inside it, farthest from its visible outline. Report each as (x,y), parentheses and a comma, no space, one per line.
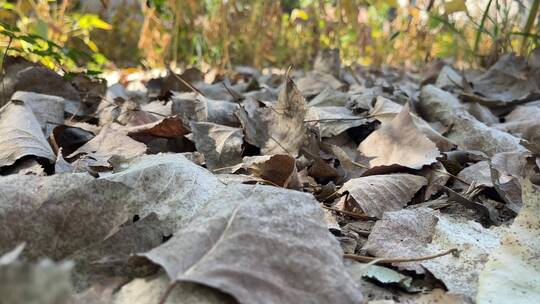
(377,194)
(512,273)
(21,134)
(151,289)
(168,127)
(280,169)
(43,282)
(423,232)
(332,121)
(110,142)
(66,211)
(48,109)
(220,145)
(217,249)
(23,75)
(401,143)
(278,129)
(506,82)
(467,132)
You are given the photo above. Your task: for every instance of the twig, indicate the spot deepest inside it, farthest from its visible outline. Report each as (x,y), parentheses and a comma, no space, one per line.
(189,85)
(334,119)
(2,68)
(365,259)
(351,214)
(168,292)
(453,176)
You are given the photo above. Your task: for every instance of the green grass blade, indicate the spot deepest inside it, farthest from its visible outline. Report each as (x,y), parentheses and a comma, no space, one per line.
(481,28)
(529,24)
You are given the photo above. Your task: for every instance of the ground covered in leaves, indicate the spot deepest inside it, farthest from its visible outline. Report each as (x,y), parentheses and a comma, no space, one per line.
(337,185)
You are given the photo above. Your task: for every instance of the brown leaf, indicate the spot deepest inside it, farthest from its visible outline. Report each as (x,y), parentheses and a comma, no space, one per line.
(280,169)
(423,232)
(377,194)
(110,142)
(332,121)
(221,145)
(168,127)
(467,132)
(386,110)
(23,75)
(67,212)
(151,289)
(279,129)
(21,134)
(399,142)
(218,247)
(48,109)
(506,82)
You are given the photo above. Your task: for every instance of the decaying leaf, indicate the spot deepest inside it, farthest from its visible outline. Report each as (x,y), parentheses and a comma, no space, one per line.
(506,82)
(467,132)
(401,143)
(217,249)
(42,282)
(59,214)
(48,109)
(512,273)
(332,121)
(279,169)
(386,110)
(220,145)
(21,134)
(151,289)
(377,194)
(278,129)
(423,232)
(479,174)
(110,142)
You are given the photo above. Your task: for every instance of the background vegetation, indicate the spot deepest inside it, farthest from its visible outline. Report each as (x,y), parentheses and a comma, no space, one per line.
(155,33)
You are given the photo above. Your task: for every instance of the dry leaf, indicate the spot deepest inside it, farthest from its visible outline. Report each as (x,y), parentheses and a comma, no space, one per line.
(21,134)
(467,132)
(422,232)
(280,169)
(66,211)
(512,273)
(168,127)
(401,143)
(377,194)
(150,290)
(506,82)
(220,145)
(110,142)
(278,129)
(42,282)
(332,121)
(217,249)
(386,110)
(48,109)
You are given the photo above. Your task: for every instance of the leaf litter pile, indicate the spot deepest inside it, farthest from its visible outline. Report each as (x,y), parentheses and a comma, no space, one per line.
(337,185)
